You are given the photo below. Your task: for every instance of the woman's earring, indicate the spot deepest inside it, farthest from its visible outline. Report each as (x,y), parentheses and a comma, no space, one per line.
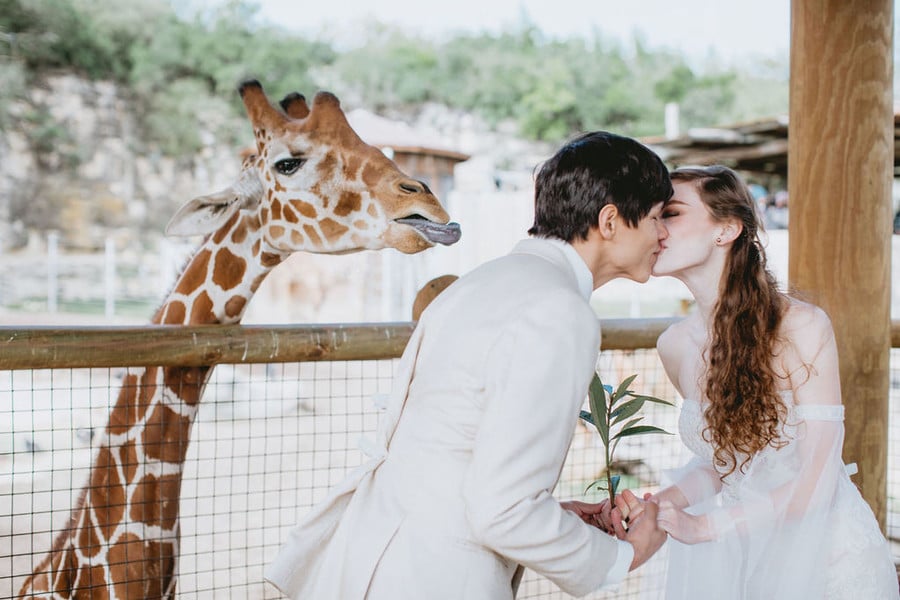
(719,241)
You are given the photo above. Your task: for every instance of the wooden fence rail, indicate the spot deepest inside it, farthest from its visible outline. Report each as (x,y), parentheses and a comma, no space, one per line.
(206,345)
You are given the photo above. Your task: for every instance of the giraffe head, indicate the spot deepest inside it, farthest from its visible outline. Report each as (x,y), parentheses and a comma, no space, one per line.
(314,185)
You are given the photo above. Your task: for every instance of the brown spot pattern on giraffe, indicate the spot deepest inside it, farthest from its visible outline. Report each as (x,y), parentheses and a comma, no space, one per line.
(132,402)
(326,166)
(235,306)
(124,413)
(174,313)
(154,500)
(223,231)
(240,233)
(348,203)
(149,566)
(270,259)
(257,282)
(289,215)
(229,269)
(88,540)
(332,230)
(202,311)
(195,274)
(164,434)
(371,174)
(107,493)
(186,382)
(92,584)
(351,166)
(305,208)
(128,458)
(313,235)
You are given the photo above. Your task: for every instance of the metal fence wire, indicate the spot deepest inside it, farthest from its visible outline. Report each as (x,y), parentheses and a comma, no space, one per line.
(269,441)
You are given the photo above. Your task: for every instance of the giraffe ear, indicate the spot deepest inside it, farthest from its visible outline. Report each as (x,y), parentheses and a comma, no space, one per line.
(205,214)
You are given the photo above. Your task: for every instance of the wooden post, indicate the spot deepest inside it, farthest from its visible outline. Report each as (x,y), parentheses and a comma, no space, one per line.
(841,153)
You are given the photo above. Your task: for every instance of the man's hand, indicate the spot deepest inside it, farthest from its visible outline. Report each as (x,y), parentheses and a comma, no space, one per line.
(589,513)
(644,533)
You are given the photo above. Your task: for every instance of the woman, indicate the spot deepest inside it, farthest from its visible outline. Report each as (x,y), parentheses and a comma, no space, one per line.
(765,509)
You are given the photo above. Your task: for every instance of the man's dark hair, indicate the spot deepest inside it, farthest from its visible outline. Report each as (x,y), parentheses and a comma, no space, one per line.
(591,171)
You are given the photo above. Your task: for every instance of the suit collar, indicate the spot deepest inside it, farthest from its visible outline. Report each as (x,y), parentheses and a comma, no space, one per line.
(564,256)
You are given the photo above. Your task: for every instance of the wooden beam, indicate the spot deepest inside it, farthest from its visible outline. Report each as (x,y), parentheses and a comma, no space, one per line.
(841,149)
(196,346)
(208,345)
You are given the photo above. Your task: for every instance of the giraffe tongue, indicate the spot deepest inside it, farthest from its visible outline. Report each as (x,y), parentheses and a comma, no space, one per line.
(439,233)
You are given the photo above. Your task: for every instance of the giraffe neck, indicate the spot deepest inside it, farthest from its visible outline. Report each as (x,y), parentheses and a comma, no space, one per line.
(222,276)
(124,536)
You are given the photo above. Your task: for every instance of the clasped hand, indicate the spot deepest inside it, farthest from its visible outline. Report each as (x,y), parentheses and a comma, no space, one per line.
(643,533)
(611,518)
(627,509)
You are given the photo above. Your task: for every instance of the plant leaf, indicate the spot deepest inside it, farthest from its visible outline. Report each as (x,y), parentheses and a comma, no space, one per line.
(599,484)
(586,416)
(623,387)
(628,425)
(625,410)
(615,439)
(597,396)
(641,429)
(655,400)
(615,483)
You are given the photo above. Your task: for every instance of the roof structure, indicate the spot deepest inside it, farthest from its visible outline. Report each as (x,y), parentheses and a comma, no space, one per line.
(400,137)
(757,146)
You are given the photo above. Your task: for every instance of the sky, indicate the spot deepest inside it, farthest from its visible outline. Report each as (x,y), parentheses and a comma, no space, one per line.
(728,29)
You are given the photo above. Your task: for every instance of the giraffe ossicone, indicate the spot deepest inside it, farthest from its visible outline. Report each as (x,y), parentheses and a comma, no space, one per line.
(311,185)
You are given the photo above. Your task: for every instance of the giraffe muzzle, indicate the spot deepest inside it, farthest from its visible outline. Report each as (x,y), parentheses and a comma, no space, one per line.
(436,233)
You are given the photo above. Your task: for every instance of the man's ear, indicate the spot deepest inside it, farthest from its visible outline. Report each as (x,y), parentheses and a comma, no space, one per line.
(606,221)
(729,232)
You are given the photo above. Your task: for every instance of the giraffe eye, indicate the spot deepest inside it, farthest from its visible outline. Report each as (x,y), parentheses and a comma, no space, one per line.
(289,166)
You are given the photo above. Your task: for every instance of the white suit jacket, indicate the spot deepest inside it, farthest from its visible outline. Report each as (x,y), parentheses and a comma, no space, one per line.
(457,493)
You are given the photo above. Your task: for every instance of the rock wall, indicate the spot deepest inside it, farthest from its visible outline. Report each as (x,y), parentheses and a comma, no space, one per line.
(72,161)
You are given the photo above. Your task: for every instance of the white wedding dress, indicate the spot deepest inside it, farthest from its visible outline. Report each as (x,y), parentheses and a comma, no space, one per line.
(791,526)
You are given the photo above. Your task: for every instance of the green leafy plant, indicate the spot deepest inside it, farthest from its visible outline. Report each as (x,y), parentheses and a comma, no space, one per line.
(615,414)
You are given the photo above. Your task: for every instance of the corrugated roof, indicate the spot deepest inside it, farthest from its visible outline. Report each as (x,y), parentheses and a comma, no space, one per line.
(759,146)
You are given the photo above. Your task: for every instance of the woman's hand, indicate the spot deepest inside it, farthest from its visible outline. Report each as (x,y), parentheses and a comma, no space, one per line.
(684,527)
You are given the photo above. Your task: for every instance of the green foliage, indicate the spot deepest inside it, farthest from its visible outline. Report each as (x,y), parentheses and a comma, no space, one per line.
(52,34)
(13,87)
(174,63)
(411,78)
(615,416)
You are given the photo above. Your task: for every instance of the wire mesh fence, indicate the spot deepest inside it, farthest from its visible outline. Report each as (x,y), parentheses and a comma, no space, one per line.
(268,442)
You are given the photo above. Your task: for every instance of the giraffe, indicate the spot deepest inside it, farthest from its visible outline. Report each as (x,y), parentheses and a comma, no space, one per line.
(312,185)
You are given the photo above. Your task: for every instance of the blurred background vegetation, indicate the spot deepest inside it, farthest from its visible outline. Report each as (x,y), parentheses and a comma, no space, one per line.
(173,62)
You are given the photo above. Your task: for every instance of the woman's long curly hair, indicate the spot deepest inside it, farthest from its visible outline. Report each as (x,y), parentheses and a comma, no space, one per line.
(744,411)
